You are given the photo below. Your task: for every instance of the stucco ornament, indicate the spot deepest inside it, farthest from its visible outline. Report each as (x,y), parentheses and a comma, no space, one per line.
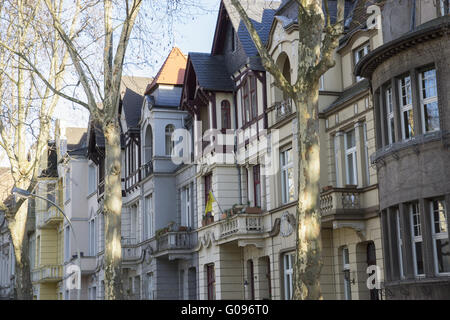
(287,224)
(148,254)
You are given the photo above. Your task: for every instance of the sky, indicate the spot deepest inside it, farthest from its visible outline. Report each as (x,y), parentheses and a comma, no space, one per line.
(194,35)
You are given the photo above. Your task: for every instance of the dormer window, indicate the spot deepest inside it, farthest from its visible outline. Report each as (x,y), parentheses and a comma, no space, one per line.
(359,53)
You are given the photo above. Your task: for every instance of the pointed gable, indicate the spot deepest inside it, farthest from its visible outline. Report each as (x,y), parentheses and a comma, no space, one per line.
(171,72)
(260,12)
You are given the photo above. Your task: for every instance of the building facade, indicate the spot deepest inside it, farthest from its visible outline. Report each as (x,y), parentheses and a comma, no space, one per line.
(409,76)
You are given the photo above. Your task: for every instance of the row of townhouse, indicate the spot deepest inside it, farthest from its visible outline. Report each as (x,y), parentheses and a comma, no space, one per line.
(384,167)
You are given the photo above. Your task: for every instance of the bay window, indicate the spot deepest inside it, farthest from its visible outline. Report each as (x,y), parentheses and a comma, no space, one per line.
(287,176)
(406,108)
(428,100)
(358,54)
(439,230)
(417,240)
(351,158)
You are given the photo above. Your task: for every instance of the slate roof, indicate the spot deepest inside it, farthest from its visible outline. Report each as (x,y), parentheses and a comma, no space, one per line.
(211,72)
(76,141)
(261,13)
(131,106)
(348,94)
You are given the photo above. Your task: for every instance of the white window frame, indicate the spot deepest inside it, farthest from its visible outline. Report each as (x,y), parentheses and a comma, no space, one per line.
(405,107)
(365,50)
(285,167)
(148,217)
(92,181)
(390,114)
(399,243)
(351,151)
(424,101)
(322,82)
(366,152)
(346,267)
(288,273)
(416,238)
(169,143)
(438,235)
(187,204)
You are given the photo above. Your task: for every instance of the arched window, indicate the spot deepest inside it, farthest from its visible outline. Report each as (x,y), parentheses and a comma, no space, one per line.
(148,145)
(226,115)
(169,143)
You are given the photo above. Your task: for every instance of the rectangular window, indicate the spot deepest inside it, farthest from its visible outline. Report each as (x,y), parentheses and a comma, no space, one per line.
(350,158)
(366,153)
(359,54)
(187,207)
(92,179)
(51,194)
(346,270)
(148,218)
(399,243)
(441,245)
(429,101)
(257,185)
(417,241)
(253,97)
(336,160)
(150,288)
(211,281)
(287,176)
(390,116)
(246,102)
(288,268)
(134,224)
(322,82)
(445,7)
(406,111)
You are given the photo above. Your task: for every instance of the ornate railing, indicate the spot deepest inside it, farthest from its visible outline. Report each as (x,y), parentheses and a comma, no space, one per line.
(130,250)
(147,169)
(241,224)
(47,273)
(175,241)
(339,198)
(282,109)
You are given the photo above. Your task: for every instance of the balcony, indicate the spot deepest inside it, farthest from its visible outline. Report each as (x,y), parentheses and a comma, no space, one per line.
(340,201)
(181,240)
(130,250)
(147,169)
(241,227)
(46,274)
(49,219)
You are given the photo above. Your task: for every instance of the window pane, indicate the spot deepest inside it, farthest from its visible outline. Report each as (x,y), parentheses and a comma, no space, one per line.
(419,258)
(408,123)
(351,169)
(443,255)
(351,139)
(291,183)
(440,218)
(431,114)
(429,84)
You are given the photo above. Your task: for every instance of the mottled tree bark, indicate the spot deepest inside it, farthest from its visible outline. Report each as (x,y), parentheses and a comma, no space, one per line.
(112,211)
(317,41)
(17,225)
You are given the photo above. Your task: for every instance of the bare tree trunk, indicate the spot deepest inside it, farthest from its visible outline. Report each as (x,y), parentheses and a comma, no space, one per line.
(112,212)
(17,227)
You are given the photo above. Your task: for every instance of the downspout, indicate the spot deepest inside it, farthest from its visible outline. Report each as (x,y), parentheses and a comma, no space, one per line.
(413,16)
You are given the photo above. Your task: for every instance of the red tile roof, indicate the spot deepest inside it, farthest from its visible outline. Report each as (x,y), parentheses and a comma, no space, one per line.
(171,72)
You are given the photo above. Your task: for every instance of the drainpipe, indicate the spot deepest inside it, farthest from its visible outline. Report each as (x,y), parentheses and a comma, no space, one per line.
(413,16)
